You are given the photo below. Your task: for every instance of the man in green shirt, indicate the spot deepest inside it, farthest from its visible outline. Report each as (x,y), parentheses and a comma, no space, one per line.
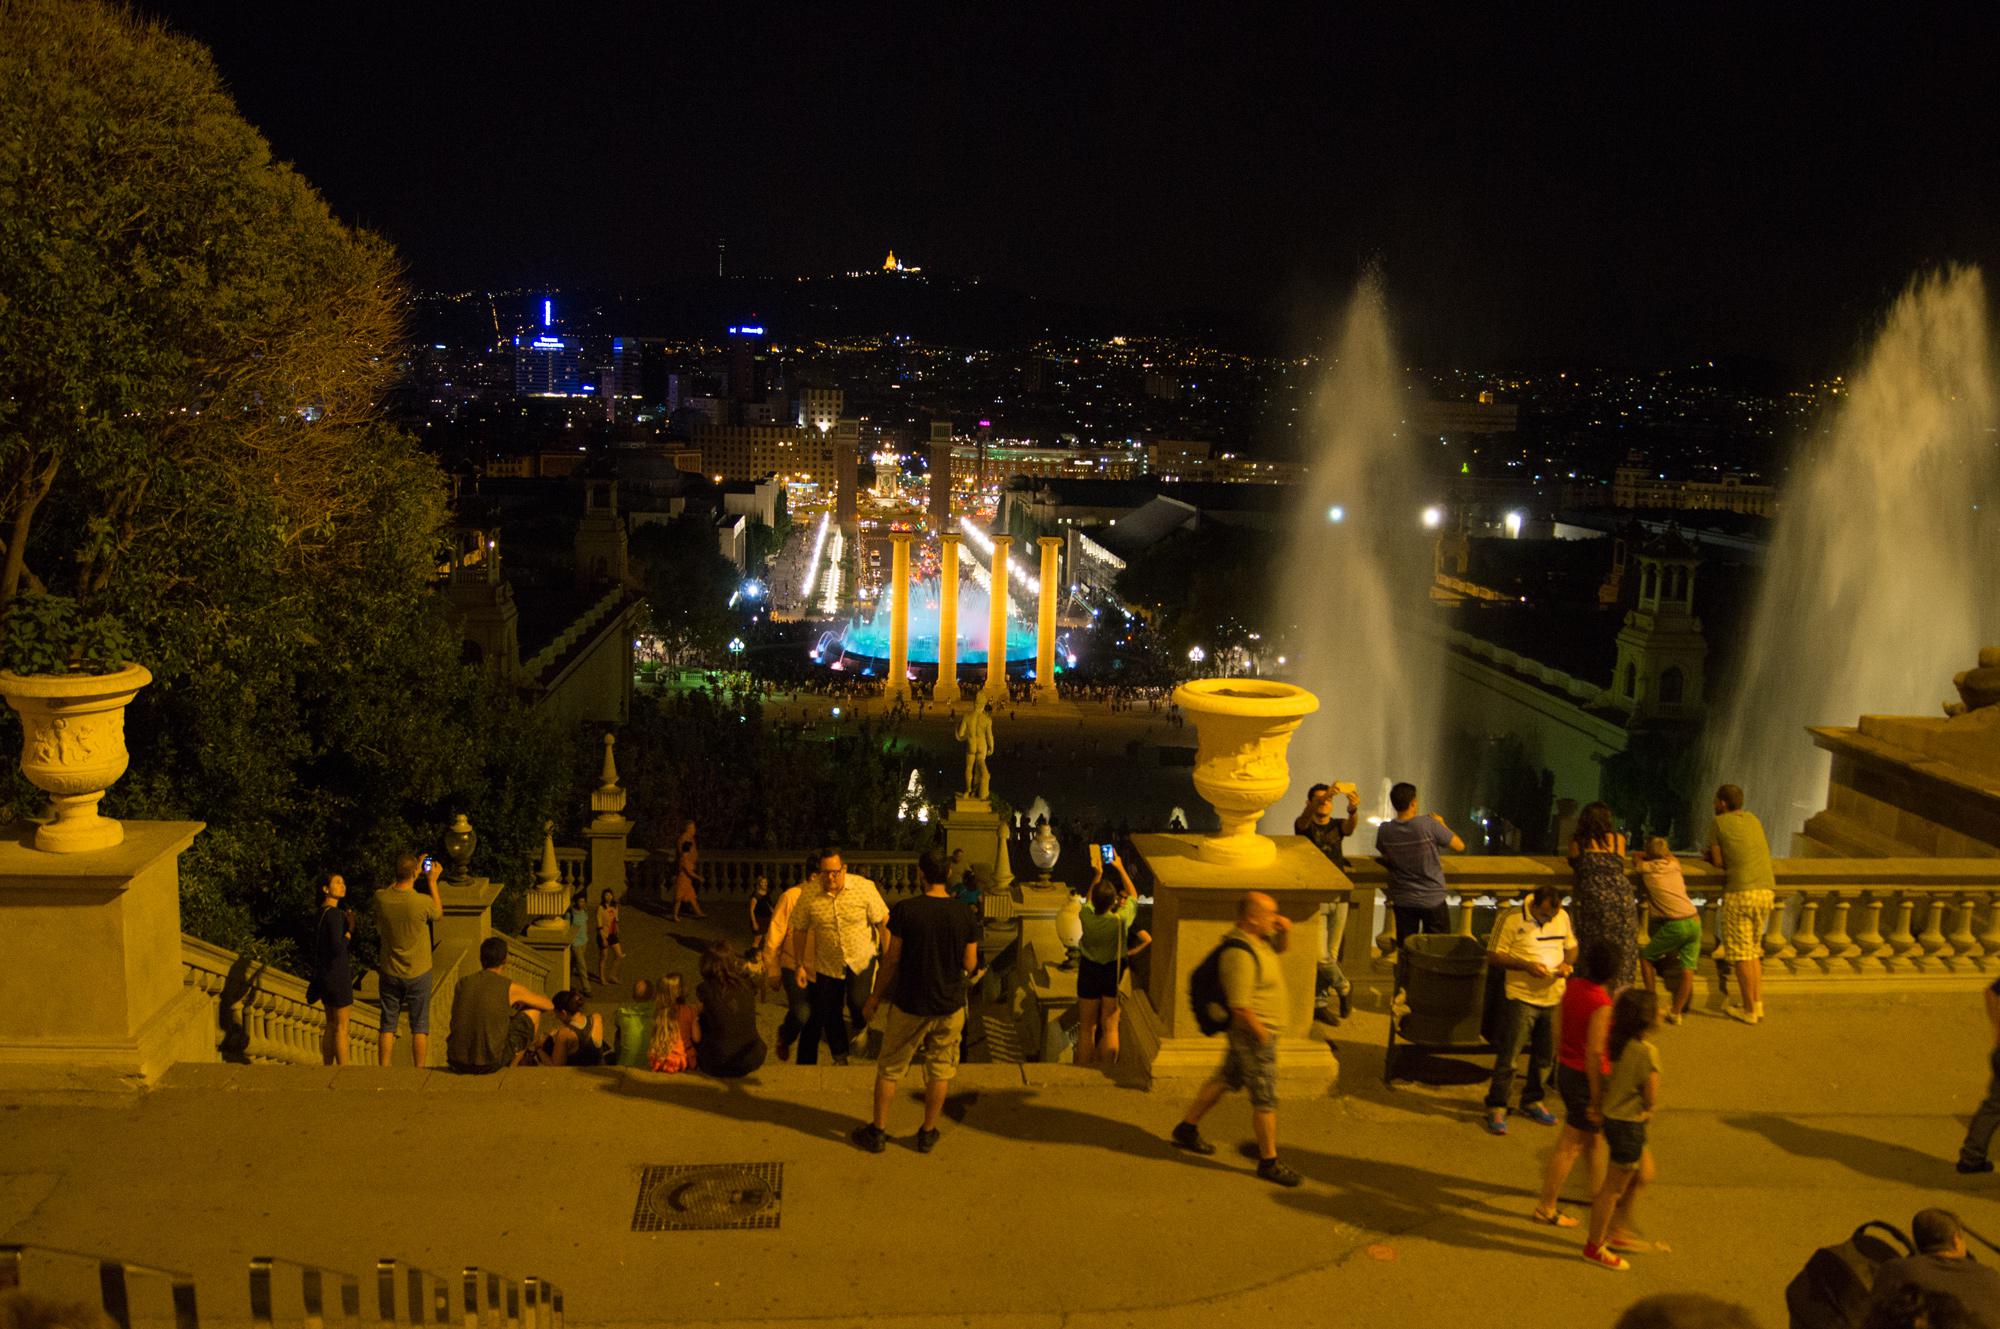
(403,921)
(1737,845)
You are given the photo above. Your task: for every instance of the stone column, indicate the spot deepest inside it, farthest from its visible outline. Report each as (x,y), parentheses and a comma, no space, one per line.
(548,908)
(899,616)
(91,994)
(1045,620)
(609,831)
(948,693)
(996,623)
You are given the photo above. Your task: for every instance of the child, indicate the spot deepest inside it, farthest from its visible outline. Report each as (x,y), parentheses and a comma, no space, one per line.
(1675,946)
(674,1029)
(1630,1097)
(762,906)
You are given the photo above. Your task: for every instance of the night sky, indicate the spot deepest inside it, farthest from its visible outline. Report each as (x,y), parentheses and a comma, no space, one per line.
(1755,179)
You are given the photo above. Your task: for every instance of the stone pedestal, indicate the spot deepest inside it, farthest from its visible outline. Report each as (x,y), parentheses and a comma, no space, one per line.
(90,975)
(973,826)
(468,912)
(947,692)
(1194,903)
(1908,786)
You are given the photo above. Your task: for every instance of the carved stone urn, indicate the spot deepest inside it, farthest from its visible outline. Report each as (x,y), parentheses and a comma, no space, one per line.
(459,842)
(73,749)
(1243,727)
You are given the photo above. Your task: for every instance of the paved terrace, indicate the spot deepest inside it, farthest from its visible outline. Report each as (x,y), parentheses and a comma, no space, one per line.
(1051,1200)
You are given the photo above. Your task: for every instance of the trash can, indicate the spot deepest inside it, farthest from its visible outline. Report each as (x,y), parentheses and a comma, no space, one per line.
(1442,978)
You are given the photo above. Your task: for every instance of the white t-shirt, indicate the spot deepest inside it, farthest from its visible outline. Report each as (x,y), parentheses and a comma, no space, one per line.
(1518,936)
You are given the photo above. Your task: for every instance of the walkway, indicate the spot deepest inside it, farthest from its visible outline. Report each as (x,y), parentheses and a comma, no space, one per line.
(1052,1200)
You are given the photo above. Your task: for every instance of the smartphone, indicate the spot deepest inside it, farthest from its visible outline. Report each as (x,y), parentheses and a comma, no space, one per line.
(426,865)
(1109,851)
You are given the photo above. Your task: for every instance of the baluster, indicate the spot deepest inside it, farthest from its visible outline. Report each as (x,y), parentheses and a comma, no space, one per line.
(1963,944)
(1931,939)
(1840,946)
(1868,941)
(1711,935)
(1463,924)
(1778,948)
(1505,898)
(1904,949)
(1385,940)
(1989,936)
(1805,940)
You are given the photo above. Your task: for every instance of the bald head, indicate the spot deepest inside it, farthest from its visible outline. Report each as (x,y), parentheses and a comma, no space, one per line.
(1256,913)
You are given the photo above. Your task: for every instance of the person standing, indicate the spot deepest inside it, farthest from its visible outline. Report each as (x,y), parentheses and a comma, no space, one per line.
(1737,845)
(933,947)
(1411,848)
(729,1046)
(490,1027)
(687,875)
(1327,834)
(1536,946)
(1986,1118)
(1581,1070)
(780,961)
(403,921)
(1673,946)
(333,971)
(578,919)
(1607,907)
(838,927)
(610,951)
(1254,990)
(1108,941)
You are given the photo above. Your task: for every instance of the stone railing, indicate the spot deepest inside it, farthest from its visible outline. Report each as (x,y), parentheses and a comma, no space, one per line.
(734,871)
(526,966)
(1836,918)
(260,1014)
(287,1292)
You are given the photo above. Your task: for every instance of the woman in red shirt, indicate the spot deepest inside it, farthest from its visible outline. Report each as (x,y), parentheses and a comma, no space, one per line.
(1581,1070)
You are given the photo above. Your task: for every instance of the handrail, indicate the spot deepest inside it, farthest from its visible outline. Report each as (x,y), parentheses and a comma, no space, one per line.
(113,1275)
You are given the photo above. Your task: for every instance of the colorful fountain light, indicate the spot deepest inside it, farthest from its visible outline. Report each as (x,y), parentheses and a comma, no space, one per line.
(1016,565)
(868,638)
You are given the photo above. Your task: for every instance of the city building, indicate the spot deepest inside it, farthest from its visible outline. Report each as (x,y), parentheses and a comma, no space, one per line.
(1637,485)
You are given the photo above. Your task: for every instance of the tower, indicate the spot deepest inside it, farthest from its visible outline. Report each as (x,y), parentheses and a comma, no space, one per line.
(600,536)
(1660,649)
(940,460)
(483,603)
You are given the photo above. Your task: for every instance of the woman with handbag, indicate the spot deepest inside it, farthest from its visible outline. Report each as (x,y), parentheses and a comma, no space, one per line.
(1108,941)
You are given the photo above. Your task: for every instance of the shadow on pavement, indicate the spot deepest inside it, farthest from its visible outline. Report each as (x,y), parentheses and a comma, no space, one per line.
(737,1100)
(1858,1153)
(1395,1198)
(1018,1114)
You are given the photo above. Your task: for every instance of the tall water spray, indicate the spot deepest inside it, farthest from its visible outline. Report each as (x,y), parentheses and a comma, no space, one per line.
(1880,582)
(1354,588)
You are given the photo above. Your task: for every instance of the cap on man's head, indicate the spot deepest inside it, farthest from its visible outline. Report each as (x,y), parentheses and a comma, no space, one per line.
(1934,1229)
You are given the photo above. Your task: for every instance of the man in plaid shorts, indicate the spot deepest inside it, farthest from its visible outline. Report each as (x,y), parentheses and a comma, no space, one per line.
(1737,845)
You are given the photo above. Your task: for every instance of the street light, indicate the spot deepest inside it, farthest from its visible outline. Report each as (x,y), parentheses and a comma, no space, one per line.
(1336,514)
(1196,655)
(736,645)
(1433,517)
(1513,525)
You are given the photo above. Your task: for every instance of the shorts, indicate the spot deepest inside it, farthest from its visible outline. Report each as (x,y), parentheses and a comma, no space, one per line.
(1745,915)
(414,993)
(1627,1140)
(931,1040)
(1248,1064)
(609,940)
(1573,1086)
(1094,980)
(1675,945)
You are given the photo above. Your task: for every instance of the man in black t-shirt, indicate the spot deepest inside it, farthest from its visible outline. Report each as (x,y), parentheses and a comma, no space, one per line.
(933,945)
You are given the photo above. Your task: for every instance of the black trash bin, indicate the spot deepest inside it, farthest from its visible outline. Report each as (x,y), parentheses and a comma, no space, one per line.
(1442,979)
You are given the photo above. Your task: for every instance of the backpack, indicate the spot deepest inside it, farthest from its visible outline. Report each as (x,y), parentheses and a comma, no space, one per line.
(1832,1291)
(1211,1006)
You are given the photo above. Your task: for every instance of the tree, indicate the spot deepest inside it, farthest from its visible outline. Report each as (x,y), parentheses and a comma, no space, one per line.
(192,356)
(688,585)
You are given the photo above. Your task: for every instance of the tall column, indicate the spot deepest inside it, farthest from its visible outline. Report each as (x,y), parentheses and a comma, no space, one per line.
(899,616)
(1045,620)
(948,693)
(996,623)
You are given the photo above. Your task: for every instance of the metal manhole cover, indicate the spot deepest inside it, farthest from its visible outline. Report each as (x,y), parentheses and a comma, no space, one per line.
(708,1196)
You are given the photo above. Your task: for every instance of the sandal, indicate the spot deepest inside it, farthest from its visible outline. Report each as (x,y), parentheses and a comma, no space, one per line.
(1556,1219)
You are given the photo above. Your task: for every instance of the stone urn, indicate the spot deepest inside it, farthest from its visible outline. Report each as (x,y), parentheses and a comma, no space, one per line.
(1243,727)
(73,748)
(459,842)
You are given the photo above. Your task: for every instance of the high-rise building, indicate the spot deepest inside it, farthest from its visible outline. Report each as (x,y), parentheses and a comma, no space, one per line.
(846,460)
(819,408)
(547,364)
(745,376)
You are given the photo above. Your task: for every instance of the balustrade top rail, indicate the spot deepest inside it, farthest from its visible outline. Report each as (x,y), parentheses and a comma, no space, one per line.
(1527,871)
(260,1014)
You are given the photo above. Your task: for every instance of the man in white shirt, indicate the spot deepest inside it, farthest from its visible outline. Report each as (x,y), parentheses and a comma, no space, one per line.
(1536,945)
(838,928)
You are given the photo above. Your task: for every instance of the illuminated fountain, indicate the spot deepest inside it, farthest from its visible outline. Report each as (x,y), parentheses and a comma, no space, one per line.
(866,641)
(1354,589)
(1880,579)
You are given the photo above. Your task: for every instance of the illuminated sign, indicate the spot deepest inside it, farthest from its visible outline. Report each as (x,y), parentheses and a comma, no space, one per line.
(747,330)
(548,307)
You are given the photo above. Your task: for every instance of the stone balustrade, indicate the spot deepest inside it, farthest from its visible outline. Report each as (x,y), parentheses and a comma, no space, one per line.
(1836,918)
(735,871)
(260,1014)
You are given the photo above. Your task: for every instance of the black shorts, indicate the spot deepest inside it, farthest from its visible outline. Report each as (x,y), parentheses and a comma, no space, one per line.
(1574,1087)
(1094,980)
(1627,1140)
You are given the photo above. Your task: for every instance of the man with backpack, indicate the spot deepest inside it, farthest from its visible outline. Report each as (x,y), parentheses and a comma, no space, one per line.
(1242,978)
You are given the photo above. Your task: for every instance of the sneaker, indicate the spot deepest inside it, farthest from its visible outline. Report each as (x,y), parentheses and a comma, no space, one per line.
(1189,1138)
(1274,1171)
(1609,1259)
(1538,1114)
(1346,1002)
(1738,1013)
(784,1052)
(870,1137)
(927,1140)
(1496,1122)
(1669,1017)
(1973,1169)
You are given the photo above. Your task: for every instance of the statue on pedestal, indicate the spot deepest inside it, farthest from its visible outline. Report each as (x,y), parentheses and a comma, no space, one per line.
(976,732)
